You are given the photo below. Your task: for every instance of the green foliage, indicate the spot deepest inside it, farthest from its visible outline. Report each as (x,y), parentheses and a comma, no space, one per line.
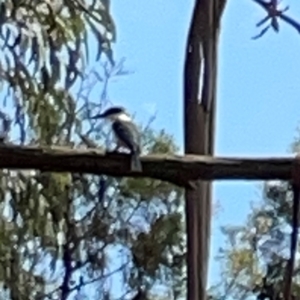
(57,218)
(44,53)
(158,250)
(255,257)
(61,233)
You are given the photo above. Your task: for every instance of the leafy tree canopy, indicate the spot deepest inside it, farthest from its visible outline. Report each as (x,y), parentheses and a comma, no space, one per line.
(255,255)
(64,234)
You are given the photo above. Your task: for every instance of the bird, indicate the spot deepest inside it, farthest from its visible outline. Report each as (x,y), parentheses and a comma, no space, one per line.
(126,133)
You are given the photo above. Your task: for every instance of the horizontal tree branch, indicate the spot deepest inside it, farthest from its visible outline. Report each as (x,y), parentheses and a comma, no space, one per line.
(180,170)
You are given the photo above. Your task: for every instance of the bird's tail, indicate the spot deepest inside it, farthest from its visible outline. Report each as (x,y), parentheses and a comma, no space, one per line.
(136,165)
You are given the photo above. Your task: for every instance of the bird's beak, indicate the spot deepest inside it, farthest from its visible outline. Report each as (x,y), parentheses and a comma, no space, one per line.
(99,116)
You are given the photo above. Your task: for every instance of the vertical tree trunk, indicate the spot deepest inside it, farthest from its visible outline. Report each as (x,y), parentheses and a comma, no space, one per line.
(199,124)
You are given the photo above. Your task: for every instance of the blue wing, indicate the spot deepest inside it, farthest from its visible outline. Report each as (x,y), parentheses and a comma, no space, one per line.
(128,134)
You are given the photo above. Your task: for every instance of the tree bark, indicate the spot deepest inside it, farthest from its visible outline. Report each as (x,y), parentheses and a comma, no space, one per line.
(199,123)
(180,170)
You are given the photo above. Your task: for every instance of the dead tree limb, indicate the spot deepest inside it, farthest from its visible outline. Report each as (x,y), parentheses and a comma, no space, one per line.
(200,66)
(180,170)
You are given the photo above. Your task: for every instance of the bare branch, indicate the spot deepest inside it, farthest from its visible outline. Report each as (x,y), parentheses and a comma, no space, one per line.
(273,14)
(180,170)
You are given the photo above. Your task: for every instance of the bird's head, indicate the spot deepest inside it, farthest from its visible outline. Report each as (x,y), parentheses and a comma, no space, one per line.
(113,114)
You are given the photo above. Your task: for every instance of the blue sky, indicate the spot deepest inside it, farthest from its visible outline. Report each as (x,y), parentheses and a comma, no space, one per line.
(258,85)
